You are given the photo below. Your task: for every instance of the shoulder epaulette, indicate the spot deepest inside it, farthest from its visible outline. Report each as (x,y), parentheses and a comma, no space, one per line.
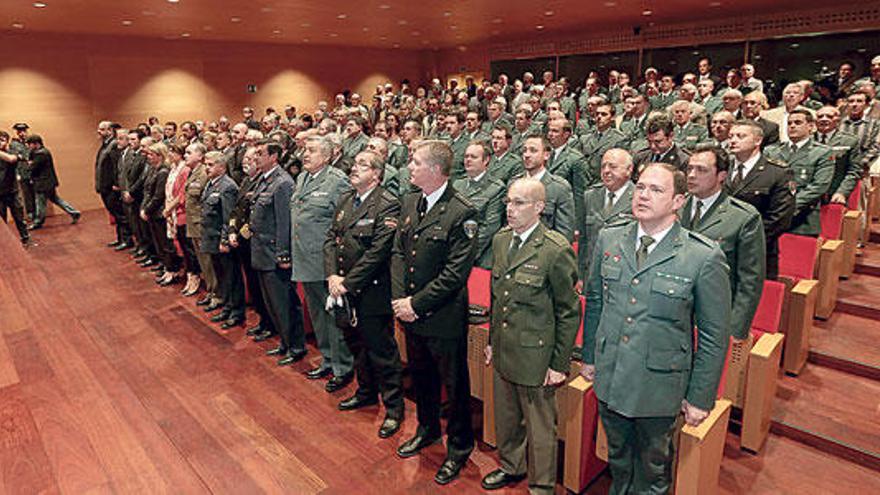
(776,162)
(702,239)
(556,238)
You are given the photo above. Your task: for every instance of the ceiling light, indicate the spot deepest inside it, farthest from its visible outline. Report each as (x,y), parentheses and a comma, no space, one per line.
(610,4)
(40,5)
(305,25)
(305,40)
(447,14)
(266,10)
(497,20)
(794,45)
(333,35)
(549,13)
(384,6)
(184,35)
(402,22)
(383,38)
(235,19)
(173,1)
(647,12)
(365,29)
(127,22)
(276,31)
(17,25)
(342,17)
(396,45)
(539,27)
(415,33)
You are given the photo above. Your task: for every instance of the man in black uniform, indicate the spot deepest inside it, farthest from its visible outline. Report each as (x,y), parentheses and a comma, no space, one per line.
(18,147)
(357,254)
(45,181)
(9,188)
(763,183)
(105,183)
(434,250)
(661,146)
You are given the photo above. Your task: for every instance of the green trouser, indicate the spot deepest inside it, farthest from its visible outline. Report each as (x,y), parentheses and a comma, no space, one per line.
(640,452)
(525,420)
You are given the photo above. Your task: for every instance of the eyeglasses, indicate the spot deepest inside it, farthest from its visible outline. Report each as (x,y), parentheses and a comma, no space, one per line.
(654,190)
(517,202)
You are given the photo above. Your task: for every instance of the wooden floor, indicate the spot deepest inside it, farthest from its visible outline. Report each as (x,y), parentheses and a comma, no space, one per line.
(109,383)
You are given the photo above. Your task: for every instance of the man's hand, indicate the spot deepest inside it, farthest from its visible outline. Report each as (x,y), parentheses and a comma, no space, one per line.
(403,309)
(233,240)
(224,248)
(838,198)
(144,216)
(693,416)
(116,188)
(588,371)
(579,287)
(553,378)
(126,196)
(487,351)
(334,283)
(284,266)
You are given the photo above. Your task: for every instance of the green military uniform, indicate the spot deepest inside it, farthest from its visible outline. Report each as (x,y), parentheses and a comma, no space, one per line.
(488,126)
(585,126)
(639,334)
(477,135)
(519,138)
(559,210)
(594,145)
(712,104)
(847,168)
(634,130)
(568,106)
(352,146)
(535,317)
(813,167)
(398,155)
(738,228)
(506,166)
(486,195)
(391,180)
(662,101)
(690,135)
(459,146)
(571,165)
(597,216)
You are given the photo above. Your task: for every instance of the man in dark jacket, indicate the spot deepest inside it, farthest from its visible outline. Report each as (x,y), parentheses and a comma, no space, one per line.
(45,181)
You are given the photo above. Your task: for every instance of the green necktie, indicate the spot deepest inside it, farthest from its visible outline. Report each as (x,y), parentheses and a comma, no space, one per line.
(698,215)
(609,202)
(642,253)
(514,247)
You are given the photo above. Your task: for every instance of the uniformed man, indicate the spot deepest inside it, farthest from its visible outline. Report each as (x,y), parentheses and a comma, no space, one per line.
(18,148)
(633,125)
(218,199)
(357,256)
(355,140)
(734,224)
(505,164)
(269,227)
(318,189)
(764,184)
(496,116)
(661,145)
(603,137)
(523,128)
(473,128)
(720,125)
(651,282)
(9,199)
(752,106)
(707,97)
(606,203)
(567,162)
(46,181)
(535,318)
(687,134)
(454,125)
(847,168)
(486,194)
(136,167)
(235,154)
(559,209)
(666,96)
(792,97)
(105,182)
(813,168)
(390,178)
(434,250)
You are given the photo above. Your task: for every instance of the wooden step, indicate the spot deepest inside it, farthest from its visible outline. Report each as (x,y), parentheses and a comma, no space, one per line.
(847,343)
(858,295)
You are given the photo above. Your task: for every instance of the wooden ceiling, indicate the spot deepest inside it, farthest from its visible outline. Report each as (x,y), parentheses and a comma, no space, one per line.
(407,24)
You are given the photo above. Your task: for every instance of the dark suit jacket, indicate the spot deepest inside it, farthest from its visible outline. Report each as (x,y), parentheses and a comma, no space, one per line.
(136,168)
(358,248)
(674,156)
(431,261)
(105,166)
(217,202)
(154,191)
(771,131)
(270,220)
(43,171)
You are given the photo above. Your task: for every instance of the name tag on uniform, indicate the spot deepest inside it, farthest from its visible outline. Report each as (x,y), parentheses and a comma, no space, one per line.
(531,267)
(364,221)
(214,195)
(319,193)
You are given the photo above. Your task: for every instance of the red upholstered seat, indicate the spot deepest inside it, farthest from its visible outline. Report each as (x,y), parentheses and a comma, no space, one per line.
(831,220)
(480,287)
(579,340)
(797,256)
(307,320)
(852,203)
(767,317)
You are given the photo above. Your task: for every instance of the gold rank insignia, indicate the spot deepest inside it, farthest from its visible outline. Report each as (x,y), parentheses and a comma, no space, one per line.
(340,215)
(406,221)
(245,231)
(390,222)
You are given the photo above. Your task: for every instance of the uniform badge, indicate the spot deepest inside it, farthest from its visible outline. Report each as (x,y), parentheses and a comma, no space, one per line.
(365,221)
(792,186)
(616,258)
(406,221)
(470,228)
(340,215)
(391,222)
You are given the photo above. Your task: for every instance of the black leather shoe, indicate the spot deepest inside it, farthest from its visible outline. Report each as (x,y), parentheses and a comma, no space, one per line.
(355,402)
(113,244)
(389,427)
(214,306)
(74,218)
(278,351)
(412,446)
(499,479)
(147,262)
(158,268)
(204,301)
(292,357)
(254,330)
(220,317)
(317,373)
(260,337)
(122,247)
(35,226)
(448,471)
(231,323)
(338,382)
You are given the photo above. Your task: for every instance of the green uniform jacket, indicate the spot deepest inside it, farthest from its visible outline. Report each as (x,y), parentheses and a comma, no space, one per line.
(506,166)
(813,170)
(690,135)
(391,180)
(535,309)
(639,323)
(595,219)
(559,211)
(398,155)
(634,130)
(352,146)
(459,146)
(571,166)
(487,196)
(594,145)
(712,104)
(519,138)
(847,168)
(737,227)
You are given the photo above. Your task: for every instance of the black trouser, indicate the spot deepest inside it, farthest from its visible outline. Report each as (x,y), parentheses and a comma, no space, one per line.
(43,197)
(190,262)
(377,361)
(285,309)
(113,203)
(164,247)
(139,228)
(27,194)
(252,279)
(434,362)
(10,201)
(230,286)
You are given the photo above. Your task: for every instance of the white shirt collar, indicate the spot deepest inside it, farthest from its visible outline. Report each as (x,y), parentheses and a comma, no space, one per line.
(270,172)
(800,144)
(435,196)
(658,237)
(707,203)
(749,164)
(539,175)
(615,195)
(363,197)
(525,235)
(479,177)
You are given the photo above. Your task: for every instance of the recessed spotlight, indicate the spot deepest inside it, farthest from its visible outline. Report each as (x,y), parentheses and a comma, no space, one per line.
(795,45)
(396,45)
(695,52)
(402,22)
(305,40)
(207,28)
(862,50)
(497,20)
(447,14)
(173,1)
(365,29)
(549,13)
(539,27)
(235,19)
(415,33)
(647,12)
(305,25)
(714,4)
(40,5)
(184,35)
(384,6)
(453,27)
(127,22)
(276,31)
(17,25)
(266,10)
(342,17)
(333,35)
(383,38)
(610,4)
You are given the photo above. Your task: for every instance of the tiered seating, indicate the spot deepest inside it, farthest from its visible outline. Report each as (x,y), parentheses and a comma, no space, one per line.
(850,231)
(797,265)
(830,258)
